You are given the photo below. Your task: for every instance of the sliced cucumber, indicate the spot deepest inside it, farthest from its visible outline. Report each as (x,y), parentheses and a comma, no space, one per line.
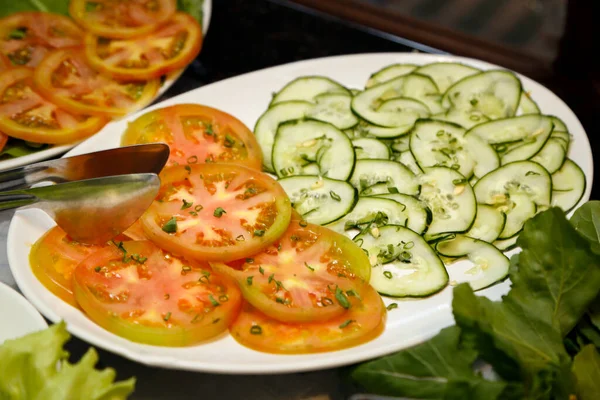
(266,126)
(417,87)
(368,148)
(371,213)
(407,158)
(388,73)
(490,265)
(489,224)
(364,129)
(303,142)
(506,244)
(563,137)
(467,118)
(419,215)
(552,155)
(559,124)
(335,109)
(319,200)
(391,175)
(307,88)
(450,199)
(568,186)
(520,208)
(401,144)
(446,74)
(485,157)
(496,93)
(527,105)
(403,264)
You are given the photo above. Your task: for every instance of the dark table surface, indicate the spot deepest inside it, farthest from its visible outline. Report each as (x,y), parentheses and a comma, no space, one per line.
(245,36)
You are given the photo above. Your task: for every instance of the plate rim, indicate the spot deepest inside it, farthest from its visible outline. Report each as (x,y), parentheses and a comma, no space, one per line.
(33,313)
(62,149)
(291,366)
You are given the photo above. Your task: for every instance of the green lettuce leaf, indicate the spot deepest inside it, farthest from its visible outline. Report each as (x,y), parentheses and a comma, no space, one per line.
(586,219)
(439,368)
(19,148)
(35,367)
(193,7)
(55,6)
(586,368)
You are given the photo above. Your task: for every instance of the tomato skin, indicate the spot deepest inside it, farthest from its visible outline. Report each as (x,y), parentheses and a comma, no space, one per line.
(257,331)
(167,125)
(4,63)
(9,109)
(160,301)
(89,82)
(120,29)
(3,140)
(300,276)
(191,48)
(234,239)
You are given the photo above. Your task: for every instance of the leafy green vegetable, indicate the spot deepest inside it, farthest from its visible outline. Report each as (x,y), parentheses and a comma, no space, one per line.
(586,220)
(586,368)
(19,148)
(35,367)
(193,7)
(528,337)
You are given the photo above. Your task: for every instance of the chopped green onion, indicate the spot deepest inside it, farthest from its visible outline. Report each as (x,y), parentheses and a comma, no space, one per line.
(388,274)
(219,212)
(229,141)
(17,34)
(261,270)
(168,316)
(213,301)
(170,226)
(335,196)
(271,278)
(308,266)
(392,306)
(259,232)
(186,204)
(341,298)
(249,280)
(345,324)
(256,330)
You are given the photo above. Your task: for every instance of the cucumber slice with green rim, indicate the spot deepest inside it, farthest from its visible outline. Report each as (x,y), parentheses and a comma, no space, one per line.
(266,126)
(450,199)
(401,144)
(527,105)
(354,92)
(371,213)
(446,74)
(335,109)
(464,117)
(319,200)
(506,244)
(490,265)
(489,224)
(568,186)
(403,264)
(552,155)
(419,215)
(364,129)
(563,137)
(417,87)
(496,93)
(407,158)
(559,124)
(520,209)
(303,142)
(368,148)
(403,105)
(388,73)
(307,88)
(391,175)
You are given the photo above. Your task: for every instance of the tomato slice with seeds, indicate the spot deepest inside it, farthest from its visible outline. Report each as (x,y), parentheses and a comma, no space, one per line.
(146,295)
(53,259)
(65,77)
(4,63)
(196,133)
(3,140)
(216,212)
(172,46)
(26,37)
(121,19)
(305,276)
(26,115)
(363,322)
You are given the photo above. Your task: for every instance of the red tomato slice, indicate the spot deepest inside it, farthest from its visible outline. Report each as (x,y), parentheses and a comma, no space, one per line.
(53,259)
(306,276)
(26,115)
(3,140)
(217,212)
(364,321)
(148,296)
(171,47)
(121,19)
(26,37)
(65,77)
(4,63)
(196,133)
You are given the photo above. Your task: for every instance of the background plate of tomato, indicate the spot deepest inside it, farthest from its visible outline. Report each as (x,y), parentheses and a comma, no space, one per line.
(95,71)
(246,97)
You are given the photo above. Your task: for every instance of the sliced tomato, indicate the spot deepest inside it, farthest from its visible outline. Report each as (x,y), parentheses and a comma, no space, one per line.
(146,295)
(121,19)
(169,48)
(65,77)
(26,37)
(3,140)
(53,259)
(305,276)
(217,212)
(4,63)
(363,322)
(196,133)
(26,115)
(136,231)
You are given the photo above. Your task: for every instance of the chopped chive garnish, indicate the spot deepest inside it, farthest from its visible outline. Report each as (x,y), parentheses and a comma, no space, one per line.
(208,129)
(229,141)
(16,34)
(261,270)
(474,102)
(393,190)
(193,213)
(223,298)
(392,306)
(188,168)
(186,204)
(335,196)
(198,208)
(259,232)
(279,300)
(249,280)
(271,278)
(98,269)
(352,293)
(192,160)
(170,226)
(168,316)
(294,238)
(308,266)
(256,330)
(213,301)
(240,238)
(341,298)
(219,212)
(388,274)
(195,319)
(346,323)
(250,260)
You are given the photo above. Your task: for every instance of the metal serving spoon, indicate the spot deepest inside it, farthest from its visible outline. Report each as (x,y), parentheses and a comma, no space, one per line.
(123,184)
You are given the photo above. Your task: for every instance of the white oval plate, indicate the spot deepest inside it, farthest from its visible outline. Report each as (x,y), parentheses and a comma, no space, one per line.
(18,316)
(247,97)
(58,150)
